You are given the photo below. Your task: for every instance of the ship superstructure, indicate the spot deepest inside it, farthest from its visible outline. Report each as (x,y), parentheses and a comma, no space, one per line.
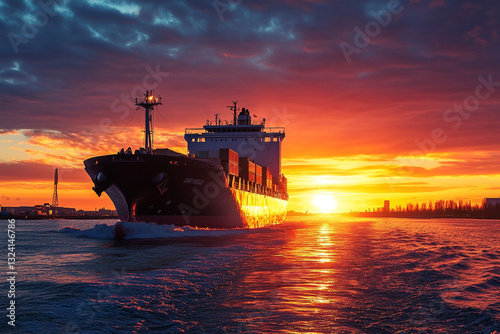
(249,139)
(230,178)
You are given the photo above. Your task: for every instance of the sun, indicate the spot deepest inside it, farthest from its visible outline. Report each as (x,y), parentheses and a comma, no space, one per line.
(324,203)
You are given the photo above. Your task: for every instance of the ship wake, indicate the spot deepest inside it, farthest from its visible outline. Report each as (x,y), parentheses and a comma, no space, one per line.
(127,230)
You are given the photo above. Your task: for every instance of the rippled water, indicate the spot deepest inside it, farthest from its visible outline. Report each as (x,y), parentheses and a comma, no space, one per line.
(308,275)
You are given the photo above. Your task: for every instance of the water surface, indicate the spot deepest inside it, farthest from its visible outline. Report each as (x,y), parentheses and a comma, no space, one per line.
(308,275)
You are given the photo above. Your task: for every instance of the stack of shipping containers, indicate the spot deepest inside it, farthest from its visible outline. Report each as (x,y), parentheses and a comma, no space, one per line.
(247,169)
(229,161)
(267,179)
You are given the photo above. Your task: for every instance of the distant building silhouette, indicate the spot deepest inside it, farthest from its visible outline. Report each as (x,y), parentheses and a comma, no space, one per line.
(387,206)
(492,202)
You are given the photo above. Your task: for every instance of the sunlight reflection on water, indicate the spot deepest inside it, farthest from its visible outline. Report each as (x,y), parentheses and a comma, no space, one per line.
(309,275)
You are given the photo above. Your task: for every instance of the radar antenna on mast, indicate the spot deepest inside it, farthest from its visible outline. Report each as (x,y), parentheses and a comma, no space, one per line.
(148,104)
(235,110)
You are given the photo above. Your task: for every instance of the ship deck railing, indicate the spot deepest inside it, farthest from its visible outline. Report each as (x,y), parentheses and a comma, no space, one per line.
(239,183)
(231,129)
(230,123)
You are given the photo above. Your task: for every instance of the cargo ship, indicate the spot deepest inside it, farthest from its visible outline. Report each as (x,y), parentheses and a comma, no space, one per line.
(230,178)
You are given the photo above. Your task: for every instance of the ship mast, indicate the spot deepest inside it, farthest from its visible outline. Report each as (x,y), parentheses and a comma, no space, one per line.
(148,104)
(235,110)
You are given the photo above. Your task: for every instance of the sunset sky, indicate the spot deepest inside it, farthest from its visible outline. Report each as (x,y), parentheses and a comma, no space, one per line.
(405,108)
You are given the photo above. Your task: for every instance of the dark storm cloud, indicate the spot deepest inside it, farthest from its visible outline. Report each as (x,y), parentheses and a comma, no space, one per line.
(90,53)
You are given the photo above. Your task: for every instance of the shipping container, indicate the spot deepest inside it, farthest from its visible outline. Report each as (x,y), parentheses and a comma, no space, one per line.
(267,178)
(276,180)
(284,183)
(229,161)
(258,174)
(247,169)
(251,171)
(226,154)
(230,168)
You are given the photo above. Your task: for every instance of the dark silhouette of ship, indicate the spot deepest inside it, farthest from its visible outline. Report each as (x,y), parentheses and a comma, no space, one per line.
(231,177)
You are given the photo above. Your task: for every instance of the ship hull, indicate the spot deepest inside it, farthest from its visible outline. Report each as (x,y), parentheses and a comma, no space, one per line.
(180,191)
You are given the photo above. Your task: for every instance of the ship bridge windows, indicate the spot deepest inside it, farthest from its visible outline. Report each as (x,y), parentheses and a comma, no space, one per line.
(197,139)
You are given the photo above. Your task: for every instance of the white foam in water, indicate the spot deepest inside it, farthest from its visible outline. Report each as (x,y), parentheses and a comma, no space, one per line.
(145,231)
(99,231)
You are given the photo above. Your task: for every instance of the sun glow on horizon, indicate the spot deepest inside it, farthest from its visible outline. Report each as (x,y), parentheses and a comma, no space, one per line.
(324,203)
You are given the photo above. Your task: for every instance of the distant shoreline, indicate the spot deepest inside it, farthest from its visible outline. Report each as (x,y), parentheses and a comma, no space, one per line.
(419,215)
(39,217)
